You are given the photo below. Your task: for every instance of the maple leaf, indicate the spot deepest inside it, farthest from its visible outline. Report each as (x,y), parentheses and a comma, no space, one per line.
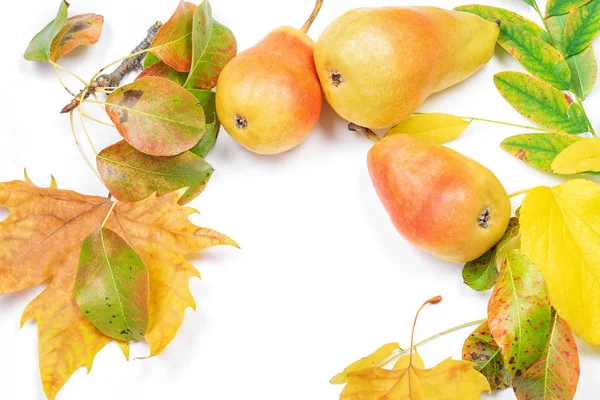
(42,238)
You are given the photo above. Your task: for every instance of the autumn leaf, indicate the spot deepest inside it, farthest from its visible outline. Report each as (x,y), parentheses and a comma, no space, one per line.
(162,70)
(131,175)
(156,116)
(582,156)
(377,357)
(538,149)
(46,228)
(556,374)
(481,349)
(81,30)
(437,128)
(150,59)
(413,358)
(173,42)
(581,27)
(39,47)
(558,7)
(207,99)
(560,233)
(213,46)
(519,312)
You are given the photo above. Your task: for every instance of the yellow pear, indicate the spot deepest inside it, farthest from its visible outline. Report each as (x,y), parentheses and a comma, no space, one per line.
(378,65)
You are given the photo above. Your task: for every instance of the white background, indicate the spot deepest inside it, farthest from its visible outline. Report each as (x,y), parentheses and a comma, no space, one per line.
(322,278)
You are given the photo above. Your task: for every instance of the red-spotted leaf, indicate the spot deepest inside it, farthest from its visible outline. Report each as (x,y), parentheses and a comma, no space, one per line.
(538,149)
(131,175)
(111,288)
(173,42)
(556,374)
(519,313)
(213,45)
(156,116)
(162,70)
(559,7)
(81,30)
(481,349)
(206,99)
(39,47)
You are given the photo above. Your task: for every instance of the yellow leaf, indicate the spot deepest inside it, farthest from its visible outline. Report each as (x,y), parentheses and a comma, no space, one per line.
(404,361)
(449,380)
(42,238)
(438,128)
(560,233)
(377,357)
(581,156)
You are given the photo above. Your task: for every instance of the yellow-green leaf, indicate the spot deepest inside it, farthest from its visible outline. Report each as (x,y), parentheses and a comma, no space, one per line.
(558,7)
(437,128)
(560,233)
(39,47)
(538,149)
(582,156)
(372,360)
(582,26)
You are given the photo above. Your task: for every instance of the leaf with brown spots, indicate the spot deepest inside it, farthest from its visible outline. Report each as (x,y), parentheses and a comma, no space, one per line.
(519,312)
(173,42)
(81,30)
(156,116)
(481,349)
(538,149)
(42,239)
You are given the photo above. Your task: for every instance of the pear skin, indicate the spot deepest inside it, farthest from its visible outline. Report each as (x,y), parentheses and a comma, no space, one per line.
(438,199)
(378,65)
(269,97)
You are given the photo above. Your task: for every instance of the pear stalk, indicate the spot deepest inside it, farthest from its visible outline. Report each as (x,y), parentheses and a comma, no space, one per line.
(312,17)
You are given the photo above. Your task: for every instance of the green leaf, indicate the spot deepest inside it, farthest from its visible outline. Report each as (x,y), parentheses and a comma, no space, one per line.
(495,14)
(537,56)
(213,46)
(519,313)
(156,116)
(556,374)
(558,7)
(207,100)
(538,149)
(112,286)
(131,175)
(582,26)
(583,66)
(162,70)
(150,59)
(510,241)
(39,47)
(530,2)
(81,30)
(540,102)
(481,349)
(173,42)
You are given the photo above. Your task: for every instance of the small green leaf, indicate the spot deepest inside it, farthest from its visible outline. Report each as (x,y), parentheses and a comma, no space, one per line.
(162,70)
(112,286)
(540,102)
(481,349)
(150,59)
(173,42)
(538,149)
(156,116)
(530,2)
(582,26)
(558,7)
(495,14)
(207,100)
(213,46)
(519,313)
(39,47)
(131,175)
(537,56)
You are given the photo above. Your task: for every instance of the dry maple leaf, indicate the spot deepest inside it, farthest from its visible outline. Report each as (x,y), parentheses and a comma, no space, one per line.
(42,238)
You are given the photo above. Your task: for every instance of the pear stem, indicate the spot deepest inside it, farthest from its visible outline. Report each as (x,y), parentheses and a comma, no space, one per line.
(366,131)
(312,17)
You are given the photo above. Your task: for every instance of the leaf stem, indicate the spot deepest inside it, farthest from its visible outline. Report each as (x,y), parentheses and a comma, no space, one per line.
(112,207)
(537,9)
(491,121)
(366,131)
(97,120)
(580,102)
(87,160)
(87,134)
(433,300)
(520,192)
(312,17)
(73,74)
(62,82)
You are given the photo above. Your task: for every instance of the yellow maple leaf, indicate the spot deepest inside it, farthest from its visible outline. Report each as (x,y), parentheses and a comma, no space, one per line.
(560,233)
(376,358)
(581,156)
(42,238)
(437,128)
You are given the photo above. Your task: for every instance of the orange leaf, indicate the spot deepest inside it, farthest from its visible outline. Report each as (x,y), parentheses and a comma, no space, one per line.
(81,30)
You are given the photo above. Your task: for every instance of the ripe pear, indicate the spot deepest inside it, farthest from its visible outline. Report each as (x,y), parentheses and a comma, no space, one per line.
(378,65)
(269,97)
(438,199)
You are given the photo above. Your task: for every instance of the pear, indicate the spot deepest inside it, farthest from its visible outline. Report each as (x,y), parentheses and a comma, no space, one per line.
(269,97)
(378,65)
(438,199)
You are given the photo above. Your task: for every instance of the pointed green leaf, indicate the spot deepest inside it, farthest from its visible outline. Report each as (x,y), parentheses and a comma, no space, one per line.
(481,349)
(537,56)
(207,100)
(540,102)
(556,374)
(213,45)
(150,59)
(112,286)
(558,7)
(173,42)
(530,2)
(156,116)
(131,175)
(162,70)
(538,149)
(495,14)
(519,313)
(81,30)
(39,47)
(582,26)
